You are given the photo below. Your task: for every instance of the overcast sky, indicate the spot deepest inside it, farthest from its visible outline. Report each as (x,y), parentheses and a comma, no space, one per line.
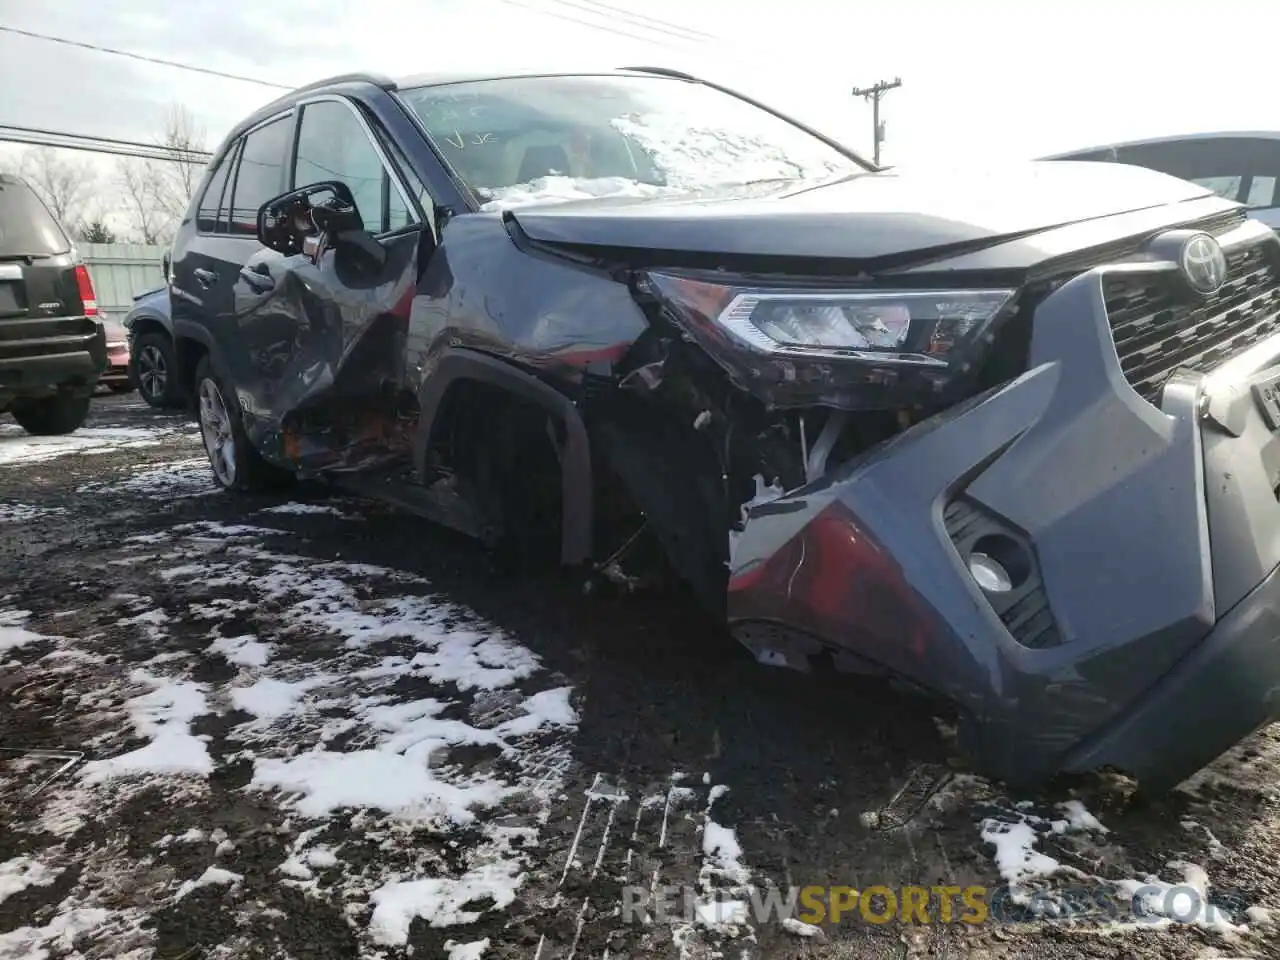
(980,77)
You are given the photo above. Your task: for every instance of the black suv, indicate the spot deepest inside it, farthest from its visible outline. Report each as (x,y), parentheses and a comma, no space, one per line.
(1007,435)
(52,347)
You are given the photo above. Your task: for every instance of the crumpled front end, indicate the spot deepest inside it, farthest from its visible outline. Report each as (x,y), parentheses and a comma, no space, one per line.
(1084,558)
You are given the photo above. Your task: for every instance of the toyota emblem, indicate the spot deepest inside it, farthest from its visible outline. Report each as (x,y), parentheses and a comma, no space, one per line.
(1203,264)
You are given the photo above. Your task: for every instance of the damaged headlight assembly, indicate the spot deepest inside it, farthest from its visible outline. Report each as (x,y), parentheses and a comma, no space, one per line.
(800,336)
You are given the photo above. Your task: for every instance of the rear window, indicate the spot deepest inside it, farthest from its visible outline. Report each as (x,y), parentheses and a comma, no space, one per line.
(26,227)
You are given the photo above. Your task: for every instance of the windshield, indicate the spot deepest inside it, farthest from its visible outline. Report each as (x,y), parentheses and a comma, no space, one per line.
(545,139)
(26,228)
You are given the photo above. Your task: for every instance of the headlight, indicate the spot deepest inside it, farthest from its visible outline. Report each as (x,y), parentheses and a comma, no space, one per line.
(915,327)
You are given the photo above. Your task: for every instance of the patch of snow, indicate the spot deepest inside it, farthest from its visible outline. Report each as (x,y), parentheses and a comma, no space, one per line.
(1182,903)
(561,189)
(12,633)
(305,508)
(467,951)
(800,928)
(1080,818)
(163,715)
(23,513)
(269,698)
(1028,872)
(246,651)
(180,479)
(1258,916)
(324,782)
(20,873)
(439,900)
(212,877)
(60,933)
(18,447)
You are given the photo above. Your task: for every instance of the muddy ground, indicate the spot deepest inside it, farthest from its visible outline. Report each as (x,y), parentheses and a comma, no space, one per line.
(313,727)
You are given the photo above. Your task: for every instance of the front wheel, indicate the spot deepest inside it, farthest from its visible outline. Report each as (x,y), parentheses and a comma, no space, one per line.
(236,464)
(153,370)
(52,416)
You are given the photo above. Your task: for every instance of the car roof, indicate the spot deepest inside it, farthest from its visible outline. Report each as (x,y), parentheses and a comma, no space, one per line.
(1156,141)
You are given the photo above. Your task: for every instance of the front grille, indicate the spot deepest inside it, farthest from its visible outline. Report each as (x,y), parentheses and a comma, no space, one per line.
(1159,328)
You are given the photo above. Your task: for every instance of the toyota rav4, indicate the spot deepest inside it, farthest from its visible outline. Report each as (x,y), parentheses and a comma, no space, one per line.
(1009,436)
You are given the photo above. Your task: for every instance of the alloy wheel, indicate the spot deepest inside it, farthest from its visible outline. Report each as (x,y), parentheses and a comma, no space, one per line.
(153,372)
(215,426)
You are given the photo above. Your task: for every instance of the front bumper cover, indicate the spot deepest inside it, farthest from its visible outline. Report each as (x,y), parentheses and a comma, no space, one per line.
(1155,537)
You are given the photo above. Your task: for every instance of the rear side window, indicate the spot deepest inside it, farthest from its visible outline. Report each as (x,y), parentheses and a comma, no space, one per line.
(1262,192)
(260,175)
(215,198)
(27,229)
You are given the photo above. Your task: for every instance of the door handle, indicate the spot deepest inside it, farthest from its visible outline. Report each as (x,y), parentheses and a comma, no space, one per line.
(260,282)
(204,277)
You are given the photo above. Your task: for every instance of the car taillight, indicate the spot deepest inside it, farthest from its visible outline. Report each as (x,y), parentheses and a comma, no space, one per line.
(87,296)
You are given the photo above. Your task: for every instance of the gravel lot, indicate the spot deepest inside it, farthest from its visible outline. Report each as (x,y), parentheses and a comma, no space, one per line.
(313,727)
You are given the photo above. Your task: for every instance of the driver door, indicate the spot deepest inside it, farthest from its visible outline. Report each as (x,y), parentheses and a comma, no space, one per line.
(329,339)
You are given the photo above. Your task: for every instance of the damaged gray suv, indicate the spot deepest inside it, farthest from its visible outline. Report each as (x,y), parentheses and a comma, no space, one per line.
(1009,436)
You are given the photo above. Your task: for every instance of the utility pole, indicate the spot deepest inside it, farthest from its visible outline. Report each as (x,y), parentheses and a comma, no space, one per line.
(874,93)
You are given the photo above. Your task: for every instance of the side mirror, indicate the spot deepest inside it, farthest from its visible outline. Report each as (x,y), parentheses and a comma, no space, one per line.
(287,220)
(326,209)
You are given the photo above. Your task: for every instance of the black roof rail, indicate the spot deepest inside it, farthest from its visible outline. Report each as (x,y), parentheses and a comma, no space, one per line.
(377,79)
(662,72)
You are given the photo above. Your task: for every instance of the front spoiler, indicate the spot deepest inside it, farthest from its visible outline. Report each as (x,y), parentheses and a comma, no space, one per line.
(1149,528)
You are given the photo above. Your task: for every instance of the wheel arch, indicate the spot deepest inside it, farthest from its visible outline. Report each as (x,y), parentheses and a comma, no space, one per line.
(459,365)
(191,341)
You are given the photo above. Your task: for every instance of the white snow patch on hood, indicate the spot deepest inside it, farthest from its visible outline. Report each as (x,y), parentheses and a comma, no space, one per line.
(559,189)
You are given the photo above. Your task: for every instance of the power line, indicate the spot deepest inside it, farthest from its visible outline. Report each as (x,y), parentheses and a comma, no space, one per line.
(192,151)
(124,148)
(875,93)
(585,23)
(143,57)
(638,20)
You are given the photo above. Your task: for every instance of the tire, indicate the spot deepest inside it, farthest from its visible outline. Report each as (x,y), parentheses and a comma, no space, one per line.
(153,369)
(52,416)
(236,463)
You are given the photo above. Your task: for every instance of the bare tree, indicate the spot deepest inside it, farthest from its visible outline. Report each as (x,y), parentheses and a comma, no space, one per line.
(156,192)
(64,185)
(143,194)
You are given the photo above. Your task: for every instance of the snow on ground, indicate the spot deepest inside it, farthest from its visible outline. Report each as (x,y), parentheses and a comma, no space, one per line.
(24,513)
(317,509)
(1042,884)
(183,478)
(364,698)
(19,447)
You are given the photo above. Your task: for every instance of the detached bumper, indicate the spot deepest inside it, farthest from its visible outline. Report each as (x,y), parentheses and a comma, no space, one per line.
(42,356)
(1143,627)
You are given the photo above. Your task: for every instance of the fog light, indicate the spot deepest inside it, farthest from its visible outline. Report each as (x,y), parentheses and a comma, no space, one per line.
(989,574)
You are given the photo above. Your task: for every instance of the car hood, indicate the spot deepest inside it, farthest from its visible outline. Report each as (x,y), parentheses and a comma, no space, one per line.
(868,217)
